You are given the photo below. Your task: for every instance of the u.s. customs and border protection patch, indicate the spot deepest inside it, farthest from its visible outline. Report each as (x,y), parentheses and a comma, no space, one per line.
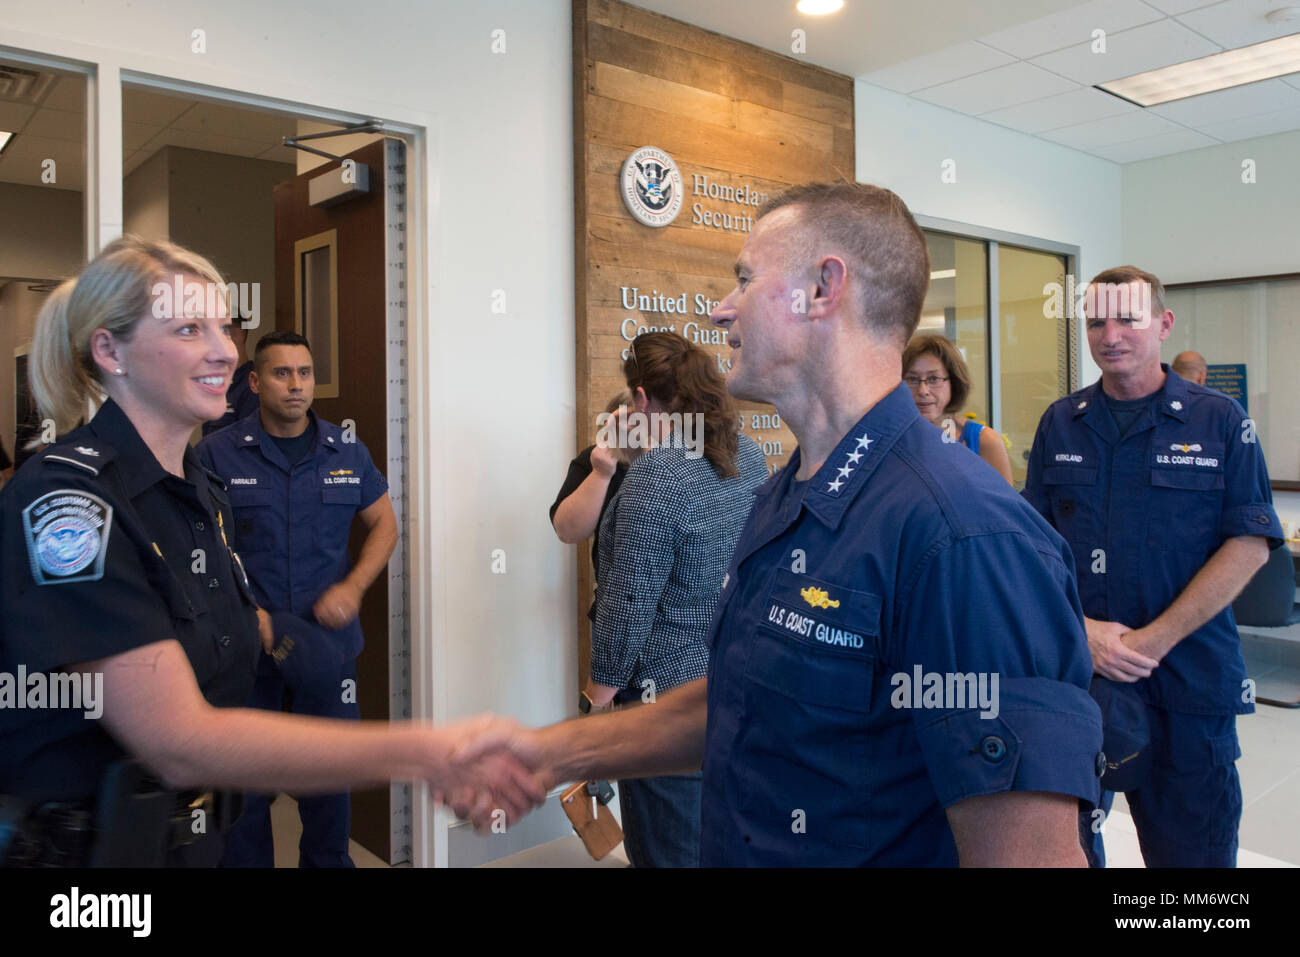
(66,532)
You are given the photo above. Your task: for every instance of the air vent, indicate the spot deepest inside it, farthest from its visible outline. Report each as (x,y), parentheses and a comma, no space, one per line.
(19,85)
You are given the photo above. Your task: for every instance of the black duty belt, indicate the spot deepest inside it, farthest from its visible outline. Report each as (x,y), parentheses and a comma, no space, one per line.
(130,825)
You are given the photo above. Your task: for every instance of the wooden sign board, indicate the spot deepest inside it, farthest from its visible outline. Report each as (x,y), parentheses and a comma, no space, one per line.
(739,123)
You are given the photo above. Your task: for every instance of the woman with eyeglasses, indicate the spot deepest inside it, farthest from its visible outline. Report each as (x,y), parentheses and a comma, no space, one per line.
(940,382)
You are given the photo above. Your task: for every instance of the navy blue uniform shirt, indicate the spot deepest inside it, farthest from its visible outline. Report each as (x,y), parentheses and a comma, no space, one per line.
(241,401)
(292,525)
(102,551)
(1144,512)
(859,626)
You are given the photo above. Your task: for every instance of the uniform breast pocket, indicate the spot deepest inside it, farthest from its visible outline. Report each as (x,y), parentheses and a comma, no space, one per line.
(1186,497)
(254,519)
(339,503)
(1072,491)
(808,693)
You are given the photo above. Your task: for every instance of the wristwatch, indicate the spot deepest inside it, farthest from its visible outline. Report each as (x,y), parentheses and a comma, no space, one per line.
(584,703)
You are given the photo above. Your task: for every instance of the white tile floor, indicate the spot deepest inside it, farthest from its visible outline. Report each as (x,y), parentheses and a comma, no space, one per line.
(1270,822)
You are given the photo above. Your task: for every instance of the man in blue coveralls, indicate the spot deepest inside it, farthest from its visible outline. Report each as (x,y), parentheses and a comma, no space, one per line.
(296,482)
(1160,488)
(898,670)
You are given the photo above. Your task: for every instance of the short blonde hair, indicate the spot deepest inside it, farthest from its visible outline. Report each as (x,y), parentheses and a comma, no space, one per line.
(113,292)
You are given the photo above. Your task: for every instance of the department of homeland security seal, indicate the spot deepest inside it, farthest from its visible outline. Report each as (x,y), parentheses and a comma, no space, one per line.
(652,186)
(67,536)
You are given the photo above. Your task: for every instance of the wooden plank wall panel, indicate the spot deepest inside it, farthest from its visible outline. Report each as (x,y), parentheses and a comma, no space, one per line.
(736,114)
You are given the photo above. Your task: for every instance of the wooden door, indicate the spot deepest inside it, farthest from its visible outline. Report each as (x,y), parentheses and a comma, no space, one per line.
(354,357)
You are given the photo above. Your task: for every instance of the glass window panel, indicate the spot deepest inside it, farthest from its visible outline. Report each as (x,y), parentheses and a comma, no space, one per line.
(1252,324)
(1034,351)
(956,306)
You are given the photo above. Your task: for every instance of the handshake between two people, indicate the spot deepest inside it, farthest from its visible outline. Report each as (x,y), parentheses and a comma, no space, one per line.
(494,771)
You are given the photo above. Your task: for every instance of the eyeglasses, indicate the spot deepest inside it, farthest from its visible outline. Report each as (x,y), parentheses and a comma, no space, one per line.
(930,381)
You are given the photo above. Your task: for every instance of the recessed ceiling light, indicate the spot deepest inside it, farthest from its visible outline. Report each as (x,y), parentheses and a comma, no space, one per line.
(4,140)
(1220,71)
(818,7)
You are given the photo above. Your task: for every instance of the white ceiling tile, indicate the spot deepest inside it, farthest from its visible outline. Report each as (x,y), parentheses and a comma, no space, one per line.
(1132,51)
(1112,130)
(14,116)
(235,122)
(23,161)
(1262,124)
(1152,146)
(939,67)
(995,89)
(1267,96)
(1071,26)
(136,136)
(208,142)
(154,109)
(1052,112)
(280,154)
(135,161)
(1175,7)
(67,93)
(59,125)
(1240,22)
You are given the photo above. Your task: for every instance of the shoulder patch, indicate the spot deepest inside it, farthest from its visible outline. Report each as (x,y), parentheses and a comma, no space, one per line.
(67,536)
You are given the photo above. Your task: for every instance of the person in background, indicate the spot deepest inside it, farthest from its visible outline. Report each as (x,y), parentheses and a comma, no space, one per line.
(940,382)
(665,541)
(296,483)
(116,567)
(241,402)
(1160,487)
(1191,366)
(594,478)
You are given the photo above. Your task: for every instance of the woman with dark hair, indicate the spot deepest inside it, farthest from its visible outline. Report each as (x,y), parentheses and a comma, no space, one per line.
(665,542)
(937,375)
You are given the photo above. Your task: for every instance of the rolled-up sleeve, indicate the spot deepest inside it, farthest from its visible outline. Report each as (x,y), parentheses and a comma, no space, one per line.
(1247,494)
(996,618)
(646,530)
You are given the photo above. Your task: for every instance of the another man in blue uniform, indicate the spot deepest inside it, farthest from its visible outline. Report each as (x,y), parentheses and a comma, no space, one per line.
(898,671)
(1159,486)
(296,482)
(240,400)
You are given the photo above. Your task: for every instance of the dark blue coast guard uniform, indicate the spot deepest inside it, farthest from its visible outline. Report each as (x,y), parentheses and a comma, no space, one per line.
(292,528)
(241,400)
(103,551)
(863,623)
(1142,514)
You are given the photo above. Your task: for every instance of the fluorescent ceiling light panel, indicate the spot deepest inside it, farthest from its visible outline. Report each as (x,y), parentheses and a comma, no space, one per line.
(1220,71)
(943,274)
(4,140)
(818,7)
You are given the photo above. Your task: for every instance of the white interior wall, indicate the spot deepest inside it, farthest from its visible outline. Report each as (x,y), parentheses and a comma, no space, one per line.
(1190,217)
(1004,179)
(498,429)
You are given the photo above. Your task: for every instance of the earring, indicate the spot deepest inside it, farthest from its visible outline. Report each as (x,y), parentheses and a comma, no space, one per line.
(118,371)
